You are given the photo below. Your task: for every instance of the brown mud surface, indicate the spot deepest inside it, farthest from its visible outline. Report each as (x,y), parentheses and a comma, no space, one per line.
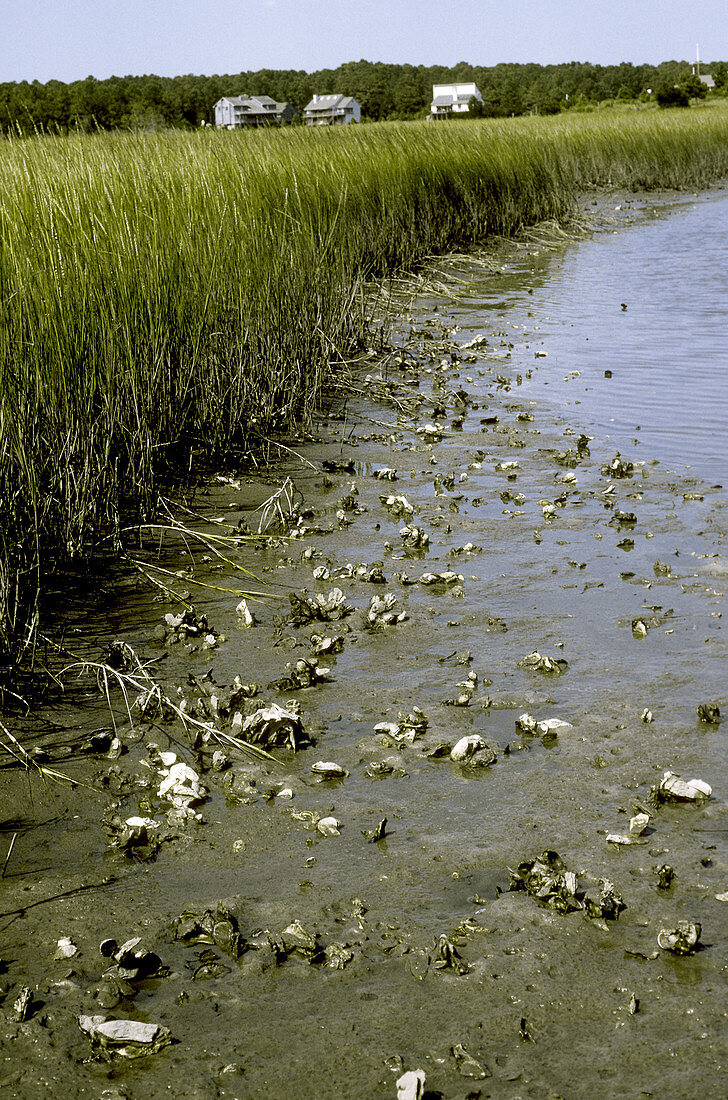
(546,1003)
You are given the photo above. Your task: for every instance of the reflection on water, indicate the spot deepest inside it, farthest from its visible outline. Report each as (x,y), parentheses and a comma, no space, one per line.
(648,304)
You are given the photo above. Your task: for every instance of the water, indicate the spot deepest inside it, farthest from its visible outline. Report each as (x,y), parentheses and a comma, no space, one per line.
(667,351)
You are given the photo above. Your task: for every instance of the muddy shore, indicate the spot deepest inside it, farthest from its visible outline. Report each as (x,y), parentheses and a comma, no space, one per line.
(300,961)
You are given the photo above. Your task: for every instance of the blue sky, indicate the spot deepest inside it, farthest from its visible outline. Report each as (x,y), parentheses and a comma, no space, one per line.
(70,39)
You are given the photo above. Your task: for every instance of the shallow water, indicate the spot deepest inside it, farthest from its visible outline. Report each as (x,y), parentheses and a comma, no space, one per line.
(651,307)
(569,586)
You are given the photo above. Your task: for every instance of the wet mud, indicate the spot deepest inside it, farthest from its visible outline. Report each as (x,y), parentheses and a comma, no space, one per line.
(445,898)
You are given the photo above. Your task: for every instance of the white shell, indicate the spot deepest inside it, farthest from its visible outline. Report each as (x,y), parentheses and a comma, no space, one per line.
(467,747)
(329,769)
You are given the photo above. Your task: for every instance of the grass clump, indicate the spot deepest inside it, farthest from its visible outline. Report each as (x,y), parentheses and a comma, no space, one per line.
(174,295)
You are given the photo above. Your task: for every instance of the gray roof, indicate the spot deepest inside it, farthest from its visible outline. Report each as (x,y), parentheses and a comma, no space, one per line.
(329,102)
(254,104)
(442,101)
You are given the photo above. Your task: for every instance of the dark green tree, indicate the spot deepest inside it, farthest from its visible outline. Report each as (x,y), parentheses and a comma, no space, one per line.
(670,95)
(693,86)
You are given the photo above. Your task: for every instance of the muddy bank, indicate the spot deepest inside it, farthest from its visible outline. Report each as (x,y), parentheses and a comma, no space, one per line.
(304,959)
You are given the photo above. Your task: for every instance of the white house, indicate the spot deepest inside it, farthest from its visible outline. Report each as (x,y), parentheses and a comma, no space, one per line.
(448,99)
(233,111)
(331,110)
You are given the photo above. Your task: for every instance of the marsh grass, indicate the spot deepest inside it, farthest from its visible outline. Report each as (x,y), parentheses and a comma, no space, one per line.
(165,298)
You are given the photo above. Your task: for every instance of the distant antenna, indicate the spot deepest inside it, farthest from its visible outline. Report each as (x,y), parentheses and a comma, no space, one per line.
(697,59)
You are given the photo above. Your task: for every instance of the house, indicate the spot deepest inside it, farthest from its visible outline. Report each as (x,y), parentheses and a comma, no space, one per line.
(448,99)
(706,79)
(331,110)
(233,111)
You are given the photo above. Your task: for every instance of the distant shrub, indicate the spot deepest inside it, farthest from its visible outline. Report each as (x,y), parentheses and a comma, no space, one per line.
(669,95)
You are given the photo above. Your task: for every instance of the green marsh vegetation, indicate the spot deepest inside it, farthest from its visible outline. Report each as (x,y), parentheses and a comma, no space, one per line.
(174,297)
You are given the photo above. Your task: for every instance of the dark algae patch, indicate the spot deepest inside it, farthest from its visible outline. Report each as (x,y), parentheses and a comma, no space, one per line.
(430,814)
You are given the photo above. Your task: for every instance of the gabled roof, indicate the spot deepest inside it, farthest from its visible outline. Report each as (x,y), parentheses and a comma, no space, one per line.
(329,102)
(442,101)
(253,104)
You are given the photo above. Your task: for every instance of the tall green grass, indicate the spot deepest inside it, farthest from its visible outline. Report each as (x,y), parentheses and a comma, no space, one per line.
(165,296)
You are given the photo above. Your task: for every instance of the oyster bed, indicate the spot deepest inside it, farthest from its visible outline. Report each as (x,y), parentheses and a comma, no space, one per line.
(499,636)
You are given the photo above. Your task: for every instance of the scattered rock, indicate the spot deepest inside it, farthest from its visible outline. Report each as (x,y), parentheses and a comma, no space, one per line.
(245,615)
(681,940)
(188,627)
(66,949)
(273,725)
(411,1085)
(125,1038)
(414,538)
(326,769)
(540,663)
(329,826)
(180,784)
(550,727)
(447,577)
(547,879)
(397,505)
(305,609)
(381,612)
(338,955)
(618,468)
(473,750)
(304,673)
(23,1003)
(134,963)
(377,833)
(674,789)
(467,1065)
(709,712)
(406,729)
(665,875)
(445,956)
(322,645)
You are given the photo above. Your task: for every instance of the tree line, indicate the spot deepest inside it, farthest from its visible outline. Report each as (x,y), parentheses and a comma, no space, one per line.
(384,91)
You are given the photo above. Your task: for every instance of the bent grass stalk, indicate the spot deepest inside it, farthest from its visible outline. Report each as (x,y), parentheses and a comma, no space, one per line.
(179,294)
(149,691)
(10,744)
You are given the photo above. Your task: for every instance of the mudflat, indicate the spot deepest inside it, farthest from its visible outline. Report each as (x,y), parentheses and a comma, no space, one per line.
(500,636)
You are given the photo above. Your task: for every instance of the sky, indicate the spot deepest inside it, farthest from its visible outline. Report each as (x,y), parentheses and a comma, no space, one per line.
(71,39)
